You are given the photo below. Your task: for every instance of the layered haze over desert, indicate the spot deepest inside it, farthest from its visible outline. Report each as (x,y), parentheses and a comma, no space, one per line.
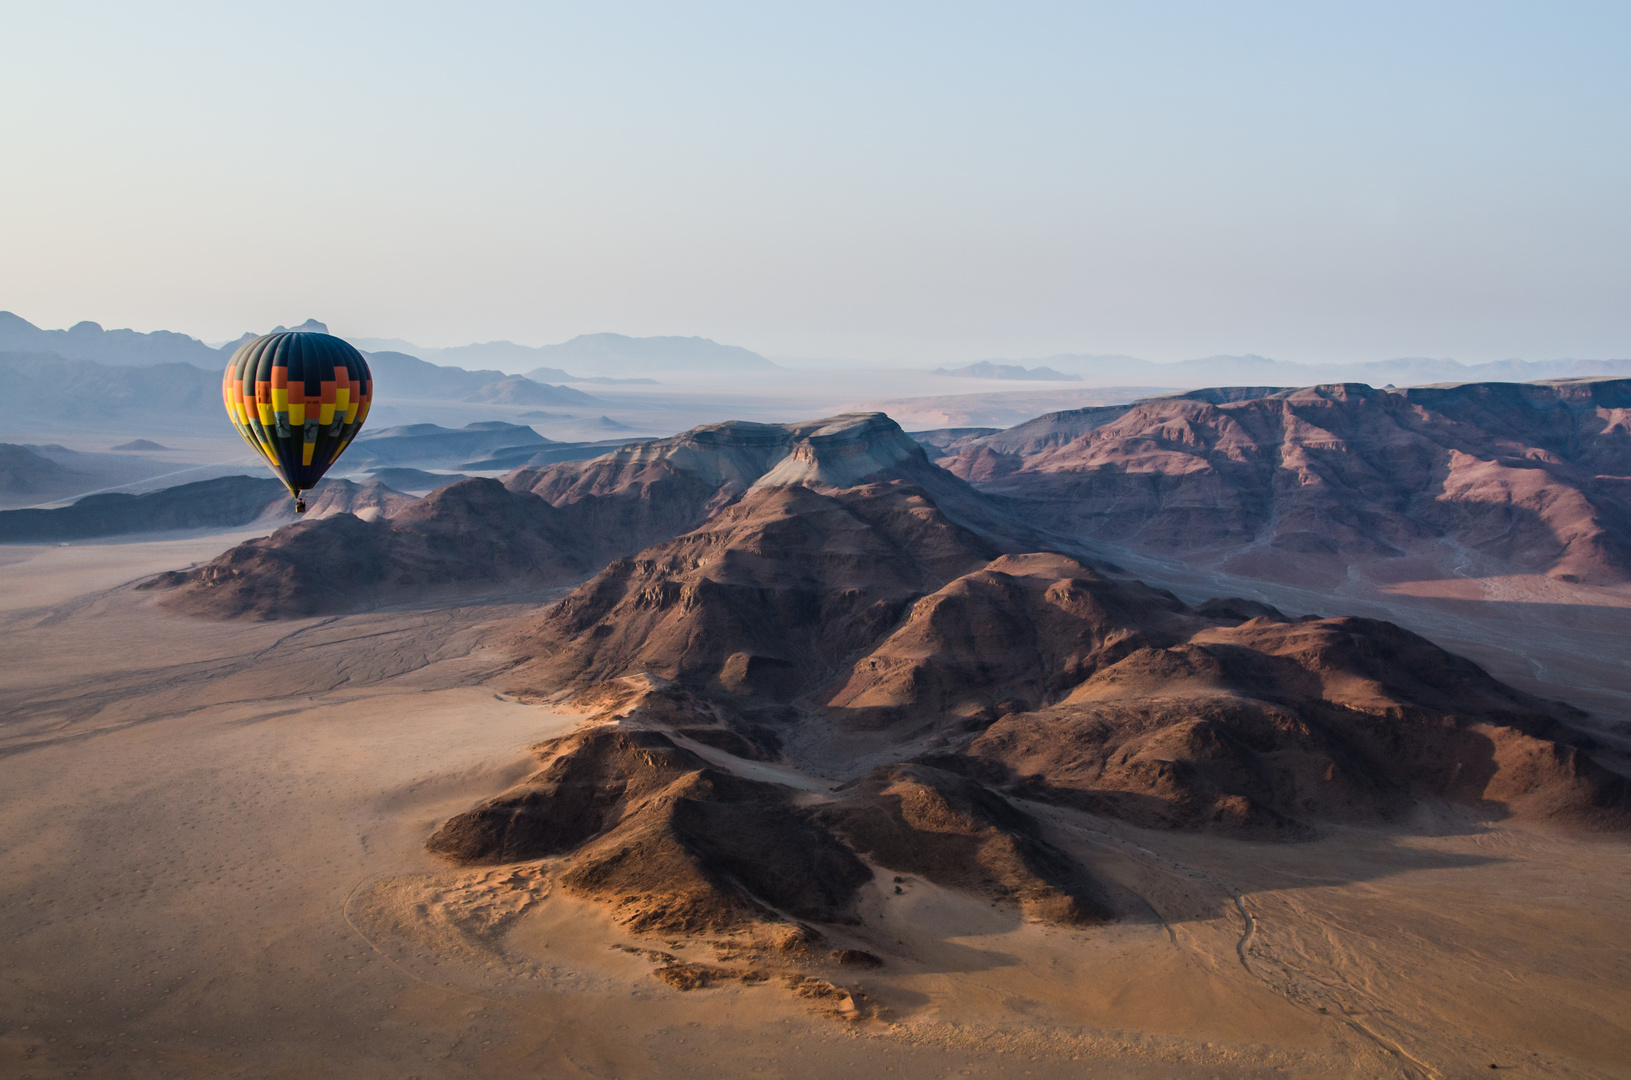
(908,541)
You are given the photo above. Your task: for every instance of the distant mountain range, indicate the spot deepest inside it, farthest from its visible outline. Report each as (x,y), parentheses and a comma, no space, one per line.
(126,348)
(618,358)
(422,445)
(58,388)
(94,375)
(586,358)
(398,375)
(591,356)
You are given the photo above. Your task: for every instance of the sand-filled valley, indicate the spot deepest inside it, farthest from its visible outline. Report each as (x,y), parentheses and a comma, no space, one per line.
(216,866)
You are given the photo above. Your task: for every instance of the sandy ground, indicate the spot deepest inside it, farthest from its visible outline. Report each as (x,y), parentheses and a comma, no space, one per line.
(214,867)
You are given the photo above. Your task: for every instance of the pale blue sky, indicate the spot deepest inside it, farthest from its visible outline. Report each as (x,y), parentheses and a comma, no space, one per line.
(913,183)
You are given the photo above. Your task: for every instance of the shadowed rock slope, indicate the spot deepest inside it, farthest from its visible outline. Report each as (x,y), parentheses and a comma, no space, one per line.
(1293,483)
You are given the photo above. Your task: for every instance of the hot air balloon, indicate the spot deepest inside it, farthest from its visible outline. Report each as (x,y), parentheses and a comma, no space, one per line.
(299,399)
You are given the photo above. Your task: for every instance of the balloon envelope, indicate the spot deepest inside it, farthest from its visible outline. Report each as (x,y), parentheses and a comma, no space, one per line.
(299,399)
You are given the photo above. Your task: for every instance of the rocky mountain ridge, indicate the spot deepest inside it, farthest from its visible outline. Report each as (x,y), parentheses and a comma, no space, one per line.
(591,511)
(1535,476)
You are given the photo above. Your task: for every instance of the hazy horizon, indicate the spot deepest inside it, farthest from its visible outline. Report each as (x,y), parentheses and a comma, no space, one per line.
(913,185)
(436,352)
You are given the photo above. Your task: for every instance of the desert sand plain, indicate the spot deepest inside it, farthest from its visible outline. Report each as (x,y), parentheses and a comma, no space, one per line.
(215,866)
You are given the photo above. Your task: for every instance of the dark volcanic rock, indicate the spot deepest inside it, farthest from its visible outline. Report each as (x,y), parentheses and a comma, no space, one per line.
(1042,673)
(1020,629)
(571,518)
(1112,696)
(902,618)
